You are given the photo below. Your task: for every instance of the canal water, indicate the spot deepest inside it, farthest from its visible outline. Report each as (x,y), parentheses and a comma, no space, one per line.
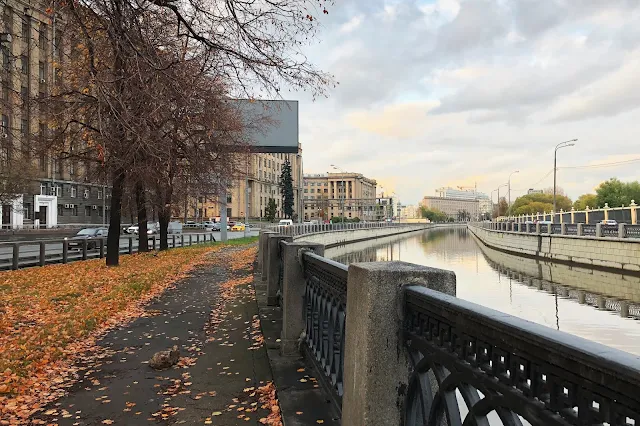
(594,304)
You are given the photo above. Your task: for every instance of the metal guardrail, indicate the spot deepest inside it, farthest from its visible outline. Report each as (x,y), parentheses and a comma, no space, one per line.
(35,253)
(325,313)
(302,229)
(622,230)
(508,367)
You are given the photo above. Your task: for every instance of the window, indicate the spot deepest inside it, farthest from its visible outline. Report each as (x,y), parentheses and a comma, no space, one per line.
(42,37)
(6,58)
(99,211)
(73,192)
(100,194)
(41,72)
(87,210)
(24,125)
(5,124)
(228,200)
(60,209)
(24,64)
(5,91)
(27,211)
(43,162)
(228,212)
(313,190)
(24,95)
(55,190)
(25,30)
(74,210)
(43,189)
(72,168)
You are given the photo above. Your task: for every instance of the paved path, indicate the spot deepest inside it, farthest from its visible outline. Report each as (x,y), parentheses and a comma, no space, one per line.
(213,317)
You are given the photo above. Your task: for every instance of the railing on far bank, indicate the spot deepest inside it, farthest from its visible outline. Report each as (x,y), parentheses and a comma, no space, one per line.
(599,230)
(302,229)
(395,346)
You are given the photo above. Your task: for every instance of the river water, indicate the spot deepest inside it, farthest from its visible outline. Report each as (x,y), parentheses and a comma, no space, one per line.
(597,305)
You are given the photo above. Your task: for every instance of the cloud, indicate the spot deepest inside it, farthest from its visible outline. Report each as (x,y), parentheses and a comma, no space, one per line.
(438,92)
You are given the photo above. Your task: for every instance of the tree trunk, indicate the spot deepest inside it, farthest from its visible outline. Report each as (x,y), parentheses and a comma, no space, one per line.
(166,195)
(164,218)
(113,239)
(141,202)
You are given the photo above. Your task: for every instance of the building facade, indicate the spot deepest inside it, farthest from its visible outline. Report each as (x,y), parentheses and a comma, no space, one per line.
(410,211)
(453,206)
(484,201)
(328,195)
(263,182)
(61,192)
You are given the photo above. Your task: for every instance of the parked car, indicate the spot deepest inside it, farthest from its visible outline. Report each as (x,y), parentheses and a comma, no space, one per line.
(609,222)
(87,234)
(174,228)
(208,224)
(285,222)
(217,227)
(133,229)
(238,227)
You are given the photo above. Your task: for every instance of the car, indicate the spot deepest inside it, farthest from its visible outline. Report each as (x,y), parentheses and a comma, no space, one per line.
(217,227)
(87,234)
(208,224)
(174,228)
(285,222)
(238,227)
(609,222)
(133,229)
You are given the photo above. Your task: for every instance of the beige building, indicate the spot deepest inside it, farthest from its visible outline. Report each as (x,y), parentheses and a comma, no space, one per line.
(327,195)
(263,180)
(452,206)
(31,52)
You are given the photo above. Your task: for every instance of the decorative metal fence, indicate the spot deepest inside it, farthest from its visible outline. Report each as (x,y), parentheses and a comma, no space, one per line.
(325,313)
(556,228)
(609,230)
(571,229)
(473,365)
(633,231)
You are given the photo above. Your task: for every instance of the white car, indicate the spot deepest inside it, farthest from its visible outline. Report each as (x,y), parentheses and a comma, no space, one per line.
(133,229)
(285,222)
(609,222)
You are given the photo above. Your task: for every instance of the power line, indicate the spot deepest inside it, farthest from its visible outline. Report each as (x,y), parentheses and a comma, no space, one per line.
(543,178)
(588,166)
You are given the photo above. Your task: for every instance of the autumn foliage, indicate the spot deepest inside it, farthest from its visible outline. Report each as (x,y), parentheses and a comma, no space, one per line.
(51,316)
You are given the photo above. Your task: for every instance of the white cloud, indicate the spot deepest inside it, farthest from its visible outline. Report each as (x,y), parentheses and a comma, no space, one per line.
(458,92)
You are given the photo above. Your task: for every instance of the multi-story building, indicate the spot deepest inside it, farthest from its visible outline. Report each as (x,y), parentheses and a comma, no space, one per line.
(263,183)
(61,192)
(453,206)
(410,211)
(327,195)
(484,201)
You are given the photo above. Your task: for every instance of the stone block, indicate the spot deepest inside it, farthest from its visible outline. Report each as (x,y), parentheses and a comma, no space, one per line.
(375,363)
(262,252)
(293,290)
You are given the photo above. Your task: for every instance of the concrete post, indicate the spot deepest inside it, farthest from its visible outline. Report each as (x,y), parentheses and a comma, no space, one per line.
(293,289)
(624,309)
(376,366)
(634,212)
(579,231)
(16,256)
(598,229)
(528,227)
(586,214)
(538,228)
(273,266)
(606,211)
(563,228)
(561,214)
(573,215)
(622,231)
(43,249)
(519,227)
(262,252)
(548,228)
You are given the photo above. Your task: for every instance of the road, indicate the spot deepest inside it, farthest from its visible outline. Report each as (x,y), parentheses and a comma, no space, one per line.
(30,250)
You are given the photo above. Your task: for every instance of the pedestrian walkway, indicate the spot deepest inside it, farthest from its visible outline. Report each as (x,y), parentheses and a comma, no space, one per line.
(223,376)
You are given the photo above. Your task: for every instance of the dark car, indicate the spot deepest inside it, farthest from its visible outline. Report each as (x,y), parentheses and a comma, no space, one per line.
(88,234)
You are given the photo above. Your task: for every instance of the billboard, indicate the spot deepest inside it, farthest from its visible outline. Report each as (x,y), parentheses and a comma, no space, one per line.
(271,126)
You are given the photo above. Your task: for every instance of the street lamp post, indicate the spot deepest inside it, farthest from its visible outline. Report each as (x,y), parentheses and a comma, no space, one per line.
(555,156)
(498,189)
(509,183)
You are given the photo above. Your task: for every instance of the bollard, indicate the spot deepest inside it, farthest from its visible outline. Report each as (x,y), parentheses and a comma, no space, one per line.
(273,266)
(293,293)
(173,241)
(154,242)
(181,240)
(190,240)
(101,241)
(43,251)
(622,231)
(376,364)
(16,256)
(579,231)
(65,251)
(85,245)
(598,230)
(130,245)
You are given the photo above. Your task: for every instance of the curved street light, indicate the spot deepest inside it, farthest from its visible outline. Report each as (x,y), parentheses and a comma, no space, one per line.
(498,189)
(561,145)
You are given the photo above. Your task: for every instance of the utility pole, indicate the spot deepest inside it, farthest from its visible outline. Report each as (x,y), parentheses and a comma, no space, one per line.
(555,157)
(509,183)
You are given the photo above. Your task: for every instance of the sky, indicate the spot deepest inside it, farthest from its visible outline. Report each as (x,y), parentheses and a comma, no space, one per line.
(462,93)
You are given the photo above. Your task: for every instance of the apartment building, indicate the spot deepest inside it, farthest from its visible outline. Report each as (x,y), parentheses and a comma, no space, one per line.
(263,182)
(61,192)
(327,195)
(452,206)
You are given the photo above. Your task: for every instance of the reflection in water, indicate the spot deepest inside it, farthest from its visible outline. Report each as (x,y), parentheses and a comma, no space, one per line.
(593,304)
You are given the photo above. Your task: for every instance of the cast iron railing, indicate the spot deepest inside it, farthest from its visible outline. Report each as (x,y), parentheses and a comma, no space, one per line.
(571,229)
(633,231)
(325,313)
(510,369)
(556,228)
(588,229)
(609,230)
